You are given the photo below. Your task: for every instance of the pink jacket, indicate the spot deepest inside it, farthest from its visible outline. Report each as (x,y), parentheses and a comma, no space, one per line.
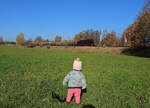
(77,65)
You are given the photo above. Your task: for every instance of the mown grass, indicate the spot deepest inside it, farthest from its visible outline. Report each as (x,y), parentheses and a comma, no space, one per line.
(27,77)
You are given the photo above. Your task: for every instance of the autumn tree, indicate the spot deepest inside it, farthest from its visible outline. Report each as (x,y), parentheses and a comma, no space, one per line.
(58,39)
(20,39)
(38,39)
(88,35)
(129,34)
(110,39)
(78,37)
(139,31)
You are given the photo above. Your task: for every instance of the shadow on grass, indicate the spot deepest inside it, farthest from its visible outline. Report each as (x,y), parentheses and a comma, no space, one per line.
(138,51)
(57,98)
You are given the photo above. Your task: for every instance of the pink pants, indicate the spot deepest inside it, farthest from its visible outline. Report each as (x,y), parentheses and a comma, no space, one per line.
(76,92)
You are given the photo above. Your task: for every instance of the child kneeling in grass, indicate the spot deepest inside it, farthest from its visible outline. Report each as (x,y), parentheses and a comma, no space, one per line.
(75,81)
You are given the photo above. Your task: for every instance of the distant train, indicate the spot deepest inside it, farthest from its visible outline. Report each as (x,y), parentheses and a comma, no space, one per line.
(85,43)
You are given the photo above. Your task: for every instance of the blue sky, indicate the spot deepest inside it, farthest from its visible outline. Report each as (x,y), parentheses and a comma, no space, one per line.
(66,18)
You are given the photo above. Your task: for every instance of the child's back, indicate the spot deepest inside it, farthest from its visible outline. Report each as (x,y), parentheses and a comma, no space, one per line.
(75,79)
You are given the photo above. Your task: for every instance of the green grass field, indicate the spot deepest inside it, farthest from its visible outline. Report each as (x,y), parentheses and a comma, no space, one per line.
(27,77)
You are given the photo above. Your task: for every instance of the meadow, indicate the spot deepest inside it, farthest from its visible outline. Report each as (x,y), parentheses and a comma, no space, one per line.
(28,76)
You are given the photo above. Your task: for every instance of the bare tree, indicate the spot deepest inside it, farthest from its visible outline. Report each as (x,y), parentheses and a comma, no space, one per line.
(1,39)
(146,6)
(38,39)
(101,37)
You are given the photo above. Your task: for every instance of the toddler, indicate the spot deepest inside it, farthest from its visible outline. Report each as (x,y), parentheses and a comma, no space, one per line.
(75,81)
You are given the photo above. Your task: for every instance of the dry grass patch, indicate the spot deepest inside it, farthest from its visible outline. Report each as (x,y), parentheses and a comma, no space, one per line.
(108,50)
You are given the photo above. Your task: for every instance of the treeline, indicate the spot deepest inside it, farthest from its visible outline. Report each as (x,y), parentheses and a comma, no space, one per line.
(38,41)
(136,35)
(99,38)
